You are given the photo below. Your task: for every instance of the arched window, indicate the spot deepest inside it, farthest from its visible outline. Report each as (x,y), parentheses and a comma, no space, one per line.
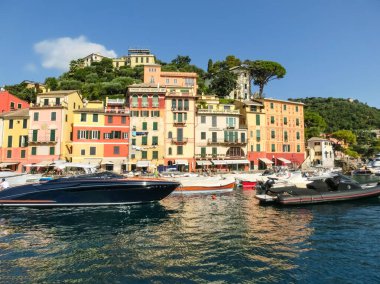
(170,134)
(155,101)
(144,101)
(235,152)
(135,102)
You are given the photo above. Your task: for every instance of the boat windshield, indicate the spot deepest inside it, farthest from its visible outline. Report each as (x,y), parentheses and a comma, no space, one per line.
(100,175)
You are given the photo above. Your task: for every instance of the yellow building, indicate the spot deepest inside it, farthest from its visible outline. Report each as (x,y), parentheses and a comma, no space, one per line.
(14,139)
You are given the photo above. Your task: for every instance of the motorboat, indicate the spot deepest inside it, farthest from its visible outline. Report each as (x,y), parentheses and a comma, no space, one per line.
(16,178)
(104,188)
(330,189)
(203,185)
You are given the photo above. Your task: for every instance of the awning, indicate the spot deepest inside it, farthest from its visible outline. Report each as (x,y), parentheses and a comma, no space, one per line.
(142,164)
(107,163)
(182,162)
(40,164)
(92,161)
(233,162)
(3,165)
(266,161)
(218,162)
(203,163)
(285,161)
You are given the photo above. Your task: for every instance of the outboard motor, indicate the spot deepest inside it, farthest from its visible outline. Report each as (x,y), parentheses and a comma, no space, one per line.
(264,187)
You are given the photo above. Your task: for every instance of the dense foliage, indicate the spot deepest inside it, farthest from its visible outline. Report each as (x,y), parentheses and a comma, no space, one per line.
(343,114)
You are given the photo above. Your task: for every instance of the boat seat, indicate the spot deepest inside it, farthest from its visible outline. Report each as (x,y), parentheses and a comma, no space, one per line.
(332,183)
(319,185)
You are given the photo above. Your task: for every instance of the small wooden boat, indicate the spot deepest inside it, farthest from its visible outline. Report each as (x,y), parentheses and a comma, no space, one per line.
(204,185)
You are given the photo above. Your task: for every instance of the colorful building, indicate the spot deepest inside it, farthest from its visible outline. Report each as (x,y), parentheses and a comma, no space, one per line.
(147,108)
(101,134)
(51,126)
(243,83)
(14,139)
(9,102)
(220,140)
(320,153)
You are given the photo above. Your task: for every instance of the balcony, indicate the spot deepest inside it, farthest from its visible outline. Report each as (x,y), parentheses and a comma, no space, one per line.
(116,111)
(179,123)
(179,141)
(226,142)
(116,101)
(42,139)
(218,111)
(180,109)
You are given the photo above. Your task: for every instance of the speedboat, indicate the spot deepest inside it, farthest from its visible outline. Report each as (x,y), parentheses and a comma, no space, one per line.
(330,189)
(96,189)
(204,185)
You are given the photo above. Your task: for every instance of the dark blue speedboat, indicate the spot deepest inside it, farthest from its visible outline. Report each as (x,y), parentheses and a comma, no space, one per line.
(100,189)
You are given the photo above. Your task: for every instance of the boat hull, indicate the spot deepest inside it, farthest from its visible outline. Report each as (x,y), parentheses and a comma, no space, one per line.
(86,193)
(205,189)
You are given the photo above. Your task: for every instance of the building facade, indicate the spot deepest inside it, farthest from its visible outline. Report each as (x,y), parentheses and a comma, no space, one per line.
(243,84)
(320,152)
(220,139)
(51,126)
(9,102)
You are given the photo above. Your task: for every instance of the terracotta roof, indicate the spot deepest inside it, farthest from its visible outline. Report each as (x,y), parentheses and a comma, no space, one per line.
(16,113)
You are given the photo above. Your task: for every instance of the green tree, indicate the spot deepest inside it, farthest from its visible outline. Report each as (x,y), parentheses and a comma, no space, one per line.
(223,83)
(181,61)
(314,124)
(51,83)
(232,61)
(347,136)
(264,71)
(209,66)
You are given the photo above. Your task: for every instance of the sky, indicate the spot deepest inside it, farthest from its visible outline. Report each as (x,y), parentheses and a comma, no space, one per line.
(329,48)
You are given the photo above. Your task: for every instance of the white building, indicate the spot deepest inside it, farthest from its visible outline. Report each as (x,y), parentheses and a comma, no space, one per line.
(243,88)
(320,152)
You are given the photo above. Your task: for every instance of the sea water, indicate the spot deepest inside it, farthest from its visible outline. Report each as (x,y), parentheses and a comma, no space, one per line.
(193,239)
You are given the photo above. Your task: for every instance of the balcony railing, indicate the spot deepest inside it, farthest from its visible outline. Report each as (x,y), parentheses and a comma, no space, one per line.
(179,141)
(117,111)
(218,111)
(116,101)
(42,139)
(226,142)
(179,123)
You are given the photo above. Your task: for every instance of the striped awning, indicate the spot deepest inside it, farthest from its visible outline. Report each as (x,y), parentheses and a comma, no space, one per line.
(203,163)
(219,162)
(285,161)
(266,161)
(234,162)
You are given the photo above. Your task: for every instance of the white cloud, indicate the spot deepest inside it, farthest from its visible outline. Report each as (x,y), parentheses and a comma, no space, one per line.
(57,53)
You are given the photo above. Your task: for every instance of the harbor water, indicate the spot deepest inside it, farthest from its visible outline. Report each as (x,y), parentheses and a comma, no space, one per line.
(193,239)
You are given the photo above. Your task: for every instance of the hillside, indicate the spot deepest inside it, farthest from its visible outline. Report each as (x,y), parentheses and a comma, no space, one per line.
(343,113)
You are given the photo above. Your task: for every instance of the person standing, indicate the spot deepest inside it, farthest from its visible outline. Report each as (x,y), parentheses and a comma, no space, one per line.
(4,184)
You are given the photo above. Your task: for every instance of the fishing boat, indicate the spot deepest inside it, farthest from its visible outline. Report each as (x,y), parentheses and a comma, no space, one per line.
(98,189)
(330,189)
(204,185)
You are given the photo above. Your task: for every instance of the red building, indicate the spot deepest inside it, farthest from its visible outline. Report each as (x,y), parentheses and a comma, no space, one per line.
(9,102)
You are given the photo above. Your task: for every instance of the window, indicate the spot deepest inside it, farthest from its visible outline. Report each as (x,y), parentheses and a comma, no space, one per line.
(116,134)
(296,108)
(203,152)
(257,119)
(46,102)
(24,123)
(83,152)
(19,106)
(53,116)
(214,124)
(179,150)
(95,117)
(242,137)
(155,155)
(123,120)
(9,154)
(125,135)
(203,135)
(23,154)
(95,134)
(57,101)
(74,106)
(66,117)
(180,105)
(34,151)
(11,124)
(170,134)
(155,125)
(251,148)
(235,152)
(167,81)
(134,141)
(253,108)
(174,104)
(23,141)
(155,101)
(52,151)
(273,148)
(145,113)
(231,121)
(144,101)
(214,137)
(285,120)
(272,119)
(285,148)
(258,148)
(144,126)
(203,119)
(52,135)
(135,102)
(155,140)
(170,151)
(271,106)
(144,140)
(34,135)
(179,134)
(298,148)
(284,107)
(214,152)
(175,81)
(144,155)
(273,134)
(92,151)
(135,113)
(83,117)
(82,134)
(10,138)
(155,113)
(116,150)
(186,106)
(35,116)
(257,135)
(297,121)
(110,119)
(286,136)
(298,135)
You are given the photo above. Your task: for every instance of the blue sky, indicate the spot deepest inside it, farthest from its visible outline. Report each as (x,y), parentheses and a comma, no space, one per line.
(330,48)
